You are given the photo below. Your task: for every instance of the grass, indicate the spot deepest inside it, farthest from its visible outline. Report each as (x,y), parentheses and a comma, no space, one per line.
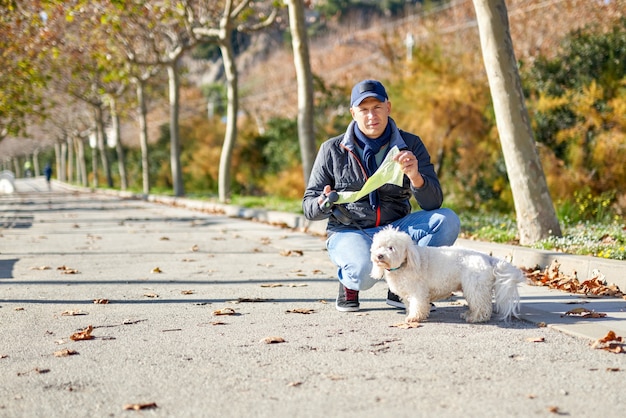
(598,239)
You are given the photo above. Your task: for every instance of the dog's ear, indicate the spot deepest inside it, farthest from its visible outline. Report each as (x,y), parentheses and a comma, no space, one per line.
(412,256)
(377,272)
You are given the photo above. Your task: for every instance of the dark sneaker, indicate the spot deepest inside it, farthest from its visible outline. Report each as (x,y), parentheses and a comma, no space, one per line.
(395,301)
(347,299)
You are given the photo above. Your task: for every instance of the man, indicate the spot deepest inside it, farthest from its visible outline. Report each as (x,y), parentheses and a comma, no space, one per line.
(344,163)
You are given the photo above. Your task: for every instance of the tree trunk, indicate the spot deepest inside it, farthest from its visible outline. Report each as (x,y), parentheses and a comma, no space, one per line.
(177,172)
(300,45)
(115,127)
(230,70)
(62,173)
(536,217)
(70,158)
(36,163)
(143,136)
(81,160)
(102,146)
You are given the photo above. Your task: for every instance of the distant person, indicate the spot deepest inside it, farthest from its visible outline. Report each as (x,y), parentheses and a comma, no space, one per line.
(27,169)
(344,163)
(47,171)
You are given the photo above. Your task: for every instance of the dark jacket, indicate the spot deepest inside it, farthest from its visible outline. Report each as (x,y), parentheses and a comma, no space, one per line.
(338,165)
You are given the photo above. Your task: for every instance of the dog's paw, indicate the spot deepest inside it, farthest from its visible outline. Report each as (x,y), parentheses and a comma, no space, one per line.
(410,319)
(473,318)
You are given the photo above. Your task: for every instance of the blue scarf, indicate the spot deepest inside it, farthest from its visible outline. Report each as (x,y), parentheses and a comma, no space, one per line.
(370,148)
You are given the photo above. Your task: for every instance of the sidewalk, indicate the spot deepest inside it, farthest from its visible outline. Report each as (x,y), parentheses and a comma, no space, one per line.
(200,298)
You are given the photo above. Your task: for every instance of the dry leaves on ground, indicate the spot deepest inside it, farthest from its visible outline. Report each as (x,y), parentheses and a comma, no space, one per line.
(83,335)
(66,270)
(611,342)
(584,313)
(406,325)
(65,353)
(305,311)
(74,313)
(252,300)
(555,279)
(272,340)
(139,406)
(224,311)
(289,253)
(100,301)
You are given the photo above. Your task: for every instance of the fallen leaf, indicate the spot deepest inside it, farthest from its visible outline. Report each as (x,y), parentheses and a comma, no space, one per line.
(252,300)
(298,285)
(610,342)
(41,268)
(552,277)
(218,323)
(272,340)
(584,313)
(100,301)
(19,308)
(74,313)
(186,292)
(406,325)
(305,311)
(554,410)
(164,239)
(139,406)
(536,339)
(288,253)
(156,270)
(294,384)
(65,353)
(195,248)
(271,285)
(224,311)
(151,295)
(82,335)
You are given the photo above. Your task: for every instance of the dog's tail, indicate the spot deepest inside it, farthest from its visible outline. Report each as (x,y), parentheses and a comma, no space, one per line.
(507,297)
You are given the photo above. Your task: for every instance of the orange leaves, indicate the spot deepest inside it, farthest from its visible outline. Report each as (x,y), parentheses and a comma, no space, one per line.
(82,335)
(139,406)
(610,342)
(65,353)
(66,270)
(555,279)
(406,325)
(272,340)
(584,313)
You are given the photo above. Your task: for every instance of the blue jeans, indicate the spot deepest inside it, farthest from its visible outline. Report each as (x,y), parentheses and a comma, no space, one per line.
(350,250)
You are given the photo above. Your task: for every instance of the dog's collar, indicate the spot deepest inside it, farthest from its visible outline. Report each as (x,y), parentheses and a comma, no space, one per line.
(397,268)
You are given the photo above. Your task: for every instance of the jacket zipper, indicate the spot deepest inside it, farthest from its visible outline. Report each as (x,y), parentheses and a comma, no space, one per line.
(377,223)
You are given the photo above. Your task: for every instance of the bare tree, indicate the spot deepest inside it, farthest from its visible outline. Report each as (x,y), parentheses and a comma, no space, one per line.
(220,33)
(304,76)
(536,217)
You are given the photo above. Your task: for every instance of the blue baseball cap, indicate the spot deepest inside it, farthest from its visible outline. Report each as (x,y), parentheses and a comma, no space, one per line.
(365,89)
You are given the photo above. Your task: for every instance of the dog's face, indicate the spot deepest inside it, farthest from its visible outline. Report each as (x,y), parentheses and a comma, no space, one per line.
(389,248)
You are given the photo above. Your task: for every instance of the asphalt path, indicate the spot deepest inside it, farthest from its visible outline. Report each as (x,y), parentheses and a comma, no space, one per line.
(215,316)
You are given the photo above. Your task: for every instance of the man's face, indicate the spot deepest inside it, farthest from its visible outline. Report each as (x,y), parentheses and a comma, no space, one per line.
(371,116)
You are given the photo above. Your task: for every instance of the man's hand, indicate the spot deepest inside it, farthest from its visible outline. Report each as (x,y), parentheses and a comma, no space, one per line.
(410,167)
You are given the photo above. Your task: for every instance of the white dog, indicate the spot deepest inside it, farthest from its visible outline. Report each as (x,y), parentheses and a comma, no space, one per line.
(420,275)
